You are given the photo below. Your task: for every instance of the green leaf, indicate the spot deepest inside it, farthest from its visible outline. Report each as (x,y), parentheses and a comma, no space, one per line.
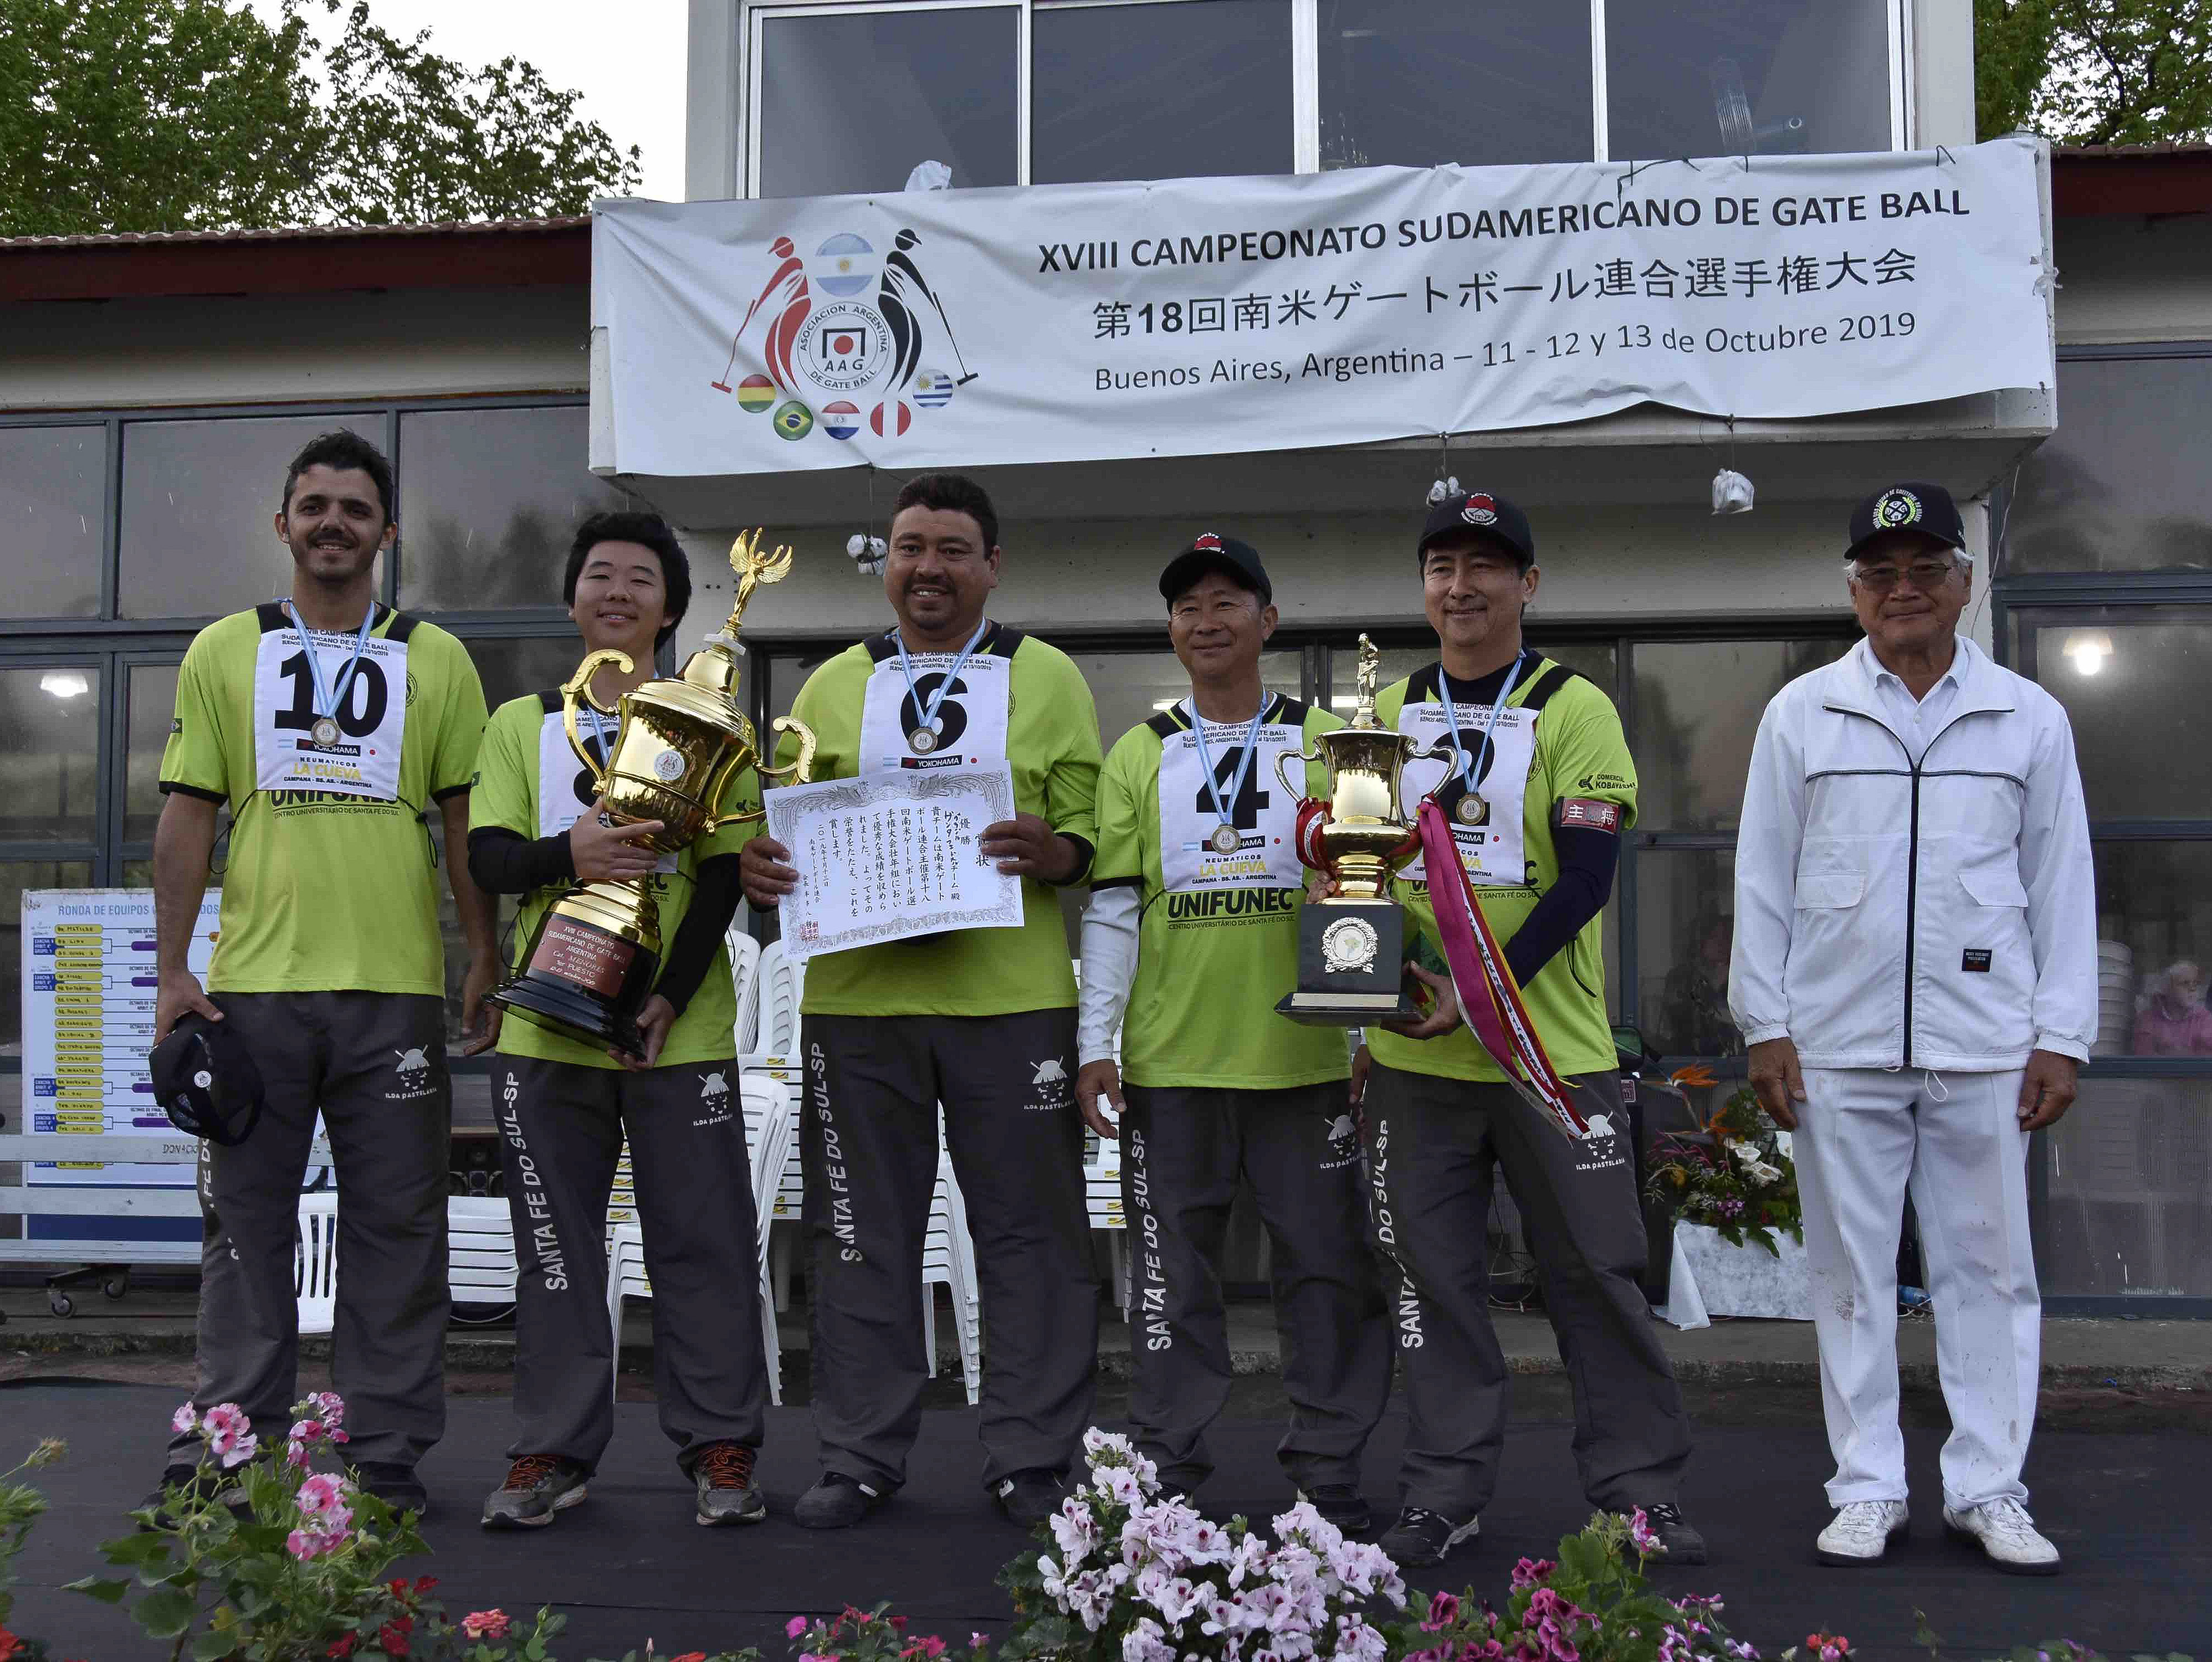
(108,1592)
(212,1646)
(166,1612)
(144,1548)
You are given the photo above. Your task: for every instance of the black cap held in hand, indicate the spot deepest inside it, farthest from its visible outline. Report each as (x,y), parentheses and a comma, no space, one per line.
(205,1080)
(1480,511)
(1237,561)
(1909,505)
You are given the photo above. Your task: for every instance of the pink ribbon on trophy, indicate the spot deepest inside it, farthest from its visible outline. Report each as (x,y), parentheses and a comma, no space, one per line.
(1489,998)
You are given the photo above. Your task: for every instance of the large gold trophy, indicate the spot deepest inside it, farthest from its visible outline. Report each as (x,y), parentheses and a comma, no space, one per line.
(597,950)
(1352,945)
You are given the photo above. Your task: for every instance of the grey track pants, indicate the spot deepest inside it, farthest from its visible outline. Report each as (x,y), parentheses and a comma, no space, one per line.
(560,1134)
(868,1137)
(1183,1153)
(374,1064)
(1435,1145)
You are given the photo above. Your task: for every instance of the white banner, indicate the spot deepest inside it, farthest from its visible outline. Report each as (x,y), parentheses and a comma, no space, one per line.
(1193,316)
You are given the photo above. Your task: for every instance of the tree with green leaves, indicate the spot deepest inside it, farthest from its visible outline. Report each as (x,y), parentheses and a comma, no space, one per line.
(185,115)
(2094,71)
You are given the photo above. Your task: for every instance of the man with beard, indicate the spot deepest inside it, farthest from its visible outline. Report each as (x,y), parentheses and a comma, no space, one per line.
(330,725)
(980,1020)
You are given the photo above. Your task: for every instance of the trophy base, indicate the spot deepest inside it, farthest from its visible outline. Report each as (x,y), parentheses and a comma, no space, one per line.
(1351,965)
(582,981)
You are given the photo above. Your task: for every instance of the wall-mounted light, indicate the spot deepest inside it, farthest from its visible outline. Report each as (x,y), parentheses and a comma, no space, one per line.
(65,684)
(2087,649)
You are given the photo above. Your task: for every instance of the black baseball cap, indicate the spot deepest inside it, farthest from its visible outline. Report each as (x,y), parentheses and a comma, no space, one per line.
(1478,510)
(1909,505)
(205,1080)
(1239,562)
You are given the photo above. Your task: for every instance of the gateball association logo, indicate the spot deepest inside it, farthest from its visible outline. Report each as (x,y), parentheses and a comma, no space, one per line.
(1897,509)
(1481,509)
(847,319)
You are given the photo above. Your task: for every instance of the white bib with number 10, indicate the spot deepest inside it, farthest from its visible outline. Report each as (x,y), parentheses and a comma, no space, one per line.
(371,716)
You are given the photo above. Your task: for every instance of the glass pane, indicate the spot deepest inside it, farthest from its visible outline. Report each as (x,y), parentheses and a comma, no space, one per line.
(1132,687)
(1685,899)
(1110,91)
(1593,658)
(199,499)
(1697,710)
(2135,684)
(1746,77)
(489,501)
(52,481)
(510,668)
(49,752)
(855,102)
(151,690)
(16,876)
(1417,83)
(2122,486)
(2129,1207)
(2154,943)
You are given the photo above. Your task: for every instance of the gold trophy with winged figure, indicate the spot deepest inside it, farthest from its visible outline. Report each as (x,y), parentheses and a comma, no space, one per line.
(1351,945)
(597,950)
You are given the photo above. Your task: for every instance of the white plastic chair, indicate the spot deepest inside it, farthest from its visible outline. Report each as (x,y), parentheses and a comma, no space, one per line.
(1102,1200)
(626,1278)
(480,1250)
(315,1262)
(782,980)
(948,1256)
(768,1142)
(744,979)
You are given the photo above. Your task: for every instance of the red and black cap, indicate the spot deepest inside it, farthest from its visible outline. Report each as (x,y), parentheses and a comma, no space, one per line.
(205,1080)
(1909,505)
(1239,562)
(1480,511)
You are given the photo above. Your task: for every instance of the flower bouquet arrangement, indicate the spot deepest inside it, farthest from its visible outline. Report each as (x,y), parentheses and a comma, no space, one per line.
(1742,1186)
(1133,1576)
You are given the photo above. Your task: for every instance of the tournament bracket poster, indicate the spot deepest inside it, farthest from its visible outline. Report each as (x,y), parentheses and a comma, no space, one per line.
(1208,316)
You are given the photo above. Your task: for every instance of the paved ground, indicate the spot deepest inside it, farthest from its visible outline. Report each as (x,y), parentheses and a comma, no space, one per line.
(2127,1509)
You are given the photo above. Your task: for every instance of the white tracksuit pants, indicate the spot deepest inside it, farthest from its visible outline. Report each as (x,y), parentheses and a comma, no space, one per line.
(1865,1134)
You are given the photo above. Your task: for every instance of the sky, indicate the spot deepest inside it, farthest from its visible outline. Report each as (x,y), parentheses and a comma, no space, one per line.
(626,59)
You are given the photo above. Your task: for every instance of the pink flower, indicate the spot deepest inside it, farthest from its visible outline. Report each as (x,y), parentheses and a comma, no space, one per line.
(308,1544)
(485,1624)
(1641,1535)
(1532,1571)
(1443,1611)
(186,1418)
(322,1499)
(794,1627)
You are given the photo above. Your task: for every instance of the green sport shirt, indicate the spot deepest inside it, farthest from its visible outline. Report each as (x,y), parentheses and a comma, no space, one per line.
(1052,745)
(1580,752)
(1213,962)
(507,796)
(326,890)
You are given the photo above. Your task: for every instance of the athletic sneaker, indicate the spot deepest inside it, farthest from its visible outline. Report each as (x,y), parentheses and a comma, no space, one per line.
(1421,1537)
(2008,1535)
(1030,1496)
(836,1501)
(724,1474)
(536,1487)
(197,1485)
(1342,1504)
(394,1484)
(1679,1542)
(1860,1533)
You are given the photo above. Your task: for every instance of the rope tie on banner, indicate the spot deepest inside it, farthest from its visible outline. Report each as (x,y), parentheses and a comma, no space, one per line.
(1489,997)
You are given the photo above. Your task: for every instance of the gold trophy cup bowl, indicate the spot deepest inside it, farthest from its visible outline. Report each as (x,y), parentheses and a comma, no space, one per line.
(596,952)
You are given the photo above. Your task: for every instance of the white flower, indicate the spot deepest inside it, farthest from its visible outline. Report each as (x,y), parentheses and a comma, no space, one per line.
(1309,1526)
(1207,1543)
(1356,1640)
(1175,1600)
(1249,1559)
(186,1418)
(1146,1641)
(1055,1586)
(1097,1442)
(1088,1597)
(1074,1530)
(1118,1485)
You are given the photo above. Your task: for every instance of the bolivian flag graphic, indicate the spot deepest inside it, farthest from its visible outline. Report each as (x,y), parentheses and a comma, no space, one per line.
(755,393)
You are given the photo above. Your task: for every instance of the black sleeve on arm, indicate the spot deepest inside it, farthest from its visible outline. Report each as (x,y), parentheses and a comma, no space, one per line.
(714,896)
(504,864)
(1587,861)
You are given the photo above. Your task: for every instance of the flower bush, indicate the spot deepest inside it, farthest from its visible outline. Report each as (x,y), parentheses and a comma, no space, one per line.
(1742,1185)
(20,1507)
(1134,1576)
(869,1636)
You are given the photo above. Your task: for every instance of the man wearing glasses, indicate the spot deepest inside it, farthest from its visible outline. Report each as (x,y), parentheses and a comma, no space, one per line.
(1915,972)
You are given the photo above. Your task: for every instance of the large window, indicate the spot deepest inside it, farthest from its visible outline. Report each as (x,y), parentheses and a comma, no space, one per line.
(853,97)
(2104,596)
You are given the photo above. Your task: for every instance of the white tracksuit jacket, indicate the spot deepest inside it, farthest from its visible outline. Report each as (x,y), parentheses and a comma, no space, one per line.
(1890,915)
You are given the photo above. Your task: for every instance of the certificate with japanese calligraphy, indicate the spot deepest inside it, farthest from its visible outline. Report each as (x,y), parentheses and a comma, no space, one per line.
(888,859)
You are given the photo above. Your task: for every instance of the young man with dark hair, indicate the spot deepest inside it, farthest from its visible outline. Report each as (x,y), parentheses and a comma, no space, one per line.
(564,1107)
(980,1020)
(1537,783)
(328,725)
(1190,941)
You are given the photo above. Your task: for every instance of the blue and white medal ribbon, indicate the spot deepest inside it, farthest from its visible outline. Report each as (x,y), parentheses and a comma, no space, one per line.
(1471,808)
(325,732)
(924,738)
(1224,839)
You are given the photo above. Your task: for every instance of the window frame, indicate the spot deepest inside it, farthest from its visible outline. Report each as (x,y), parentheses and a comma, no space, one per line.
(1305,71)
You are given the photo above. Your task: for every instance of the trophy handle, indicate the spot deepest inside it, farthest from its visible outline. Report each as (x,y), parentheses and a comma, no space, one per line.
(795,773)
(1302,758)
(576,689)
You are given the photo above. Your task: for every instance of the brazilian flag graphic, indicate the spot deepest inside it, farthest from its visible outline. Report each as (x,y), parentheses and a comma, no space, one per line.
(792,420)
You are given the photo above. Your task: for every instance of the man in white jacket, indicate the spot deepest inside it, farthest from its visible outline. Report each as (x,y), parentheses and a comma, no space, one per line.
(1915,972)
